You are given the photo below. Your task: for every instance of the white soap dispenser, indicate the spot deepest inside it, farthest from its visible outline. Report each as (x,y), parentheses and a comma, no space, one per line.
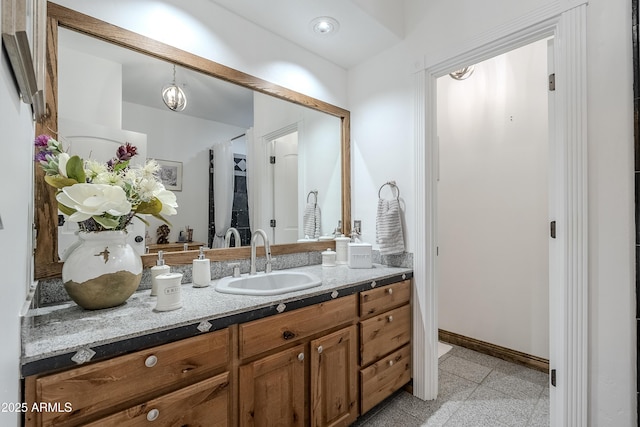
(201,270)
(156,270)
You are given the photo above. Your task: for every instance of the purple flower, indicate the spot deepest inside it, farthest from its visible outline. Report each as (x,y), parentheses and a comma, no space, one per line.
(42,140)
(41,156)
(126,152)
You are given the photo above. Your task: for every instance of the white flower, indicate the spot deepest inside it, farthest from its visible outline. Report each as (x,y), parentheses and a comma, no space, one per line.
(94,168)
(94,200)
(63,158)
(109,178)
(168,200)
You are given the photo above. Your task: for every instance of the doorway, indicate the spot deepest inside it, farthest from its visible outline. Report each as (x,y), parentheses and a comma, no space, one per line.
(493,208)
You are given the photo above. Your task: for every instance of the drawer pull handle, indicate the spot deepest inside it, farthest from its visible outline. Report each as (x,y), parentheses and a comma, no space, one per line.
(287,335)
(320,349)
(390,362)
(390,319)
(301,357)
(390,291)
(151,361)
(153,415)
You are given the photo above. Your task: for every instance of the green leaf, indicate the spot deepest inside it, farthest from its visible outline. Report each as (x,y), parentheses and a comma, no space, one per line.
(66,209)
(120,165)
(161,218)
(152,207)
(143,220)
(75,169)
(108,223)
(59,181)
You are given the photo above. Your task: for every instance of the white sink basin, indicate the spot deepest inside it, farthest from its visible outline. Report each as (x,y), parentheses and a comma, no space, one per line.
(274,283)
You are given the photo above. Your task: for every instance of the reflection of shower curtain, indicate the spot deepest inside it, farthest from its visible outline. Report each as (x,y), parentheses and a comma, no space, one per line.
(222,189)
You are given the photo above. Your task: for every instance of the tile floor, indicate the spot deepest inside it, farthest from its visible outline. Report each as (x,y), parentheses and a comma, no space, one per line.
(476,390)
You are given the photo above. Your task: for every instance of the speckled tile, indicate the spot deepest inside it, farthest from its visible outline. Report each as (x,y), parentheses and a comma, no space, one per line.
(452,391)
(391,417)
(487,403)
(512,386)
(465,369)
(540,416)
(474,356)
(522,372)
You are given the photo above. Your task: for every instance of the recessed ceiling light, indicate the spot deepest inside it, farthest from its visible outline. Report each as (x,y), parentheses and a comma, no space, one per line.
(324,25)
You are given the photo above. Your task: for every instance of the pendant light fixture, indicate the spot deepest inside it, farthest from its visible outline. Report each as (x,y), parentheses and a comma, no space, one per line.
(462,73)
(173,96)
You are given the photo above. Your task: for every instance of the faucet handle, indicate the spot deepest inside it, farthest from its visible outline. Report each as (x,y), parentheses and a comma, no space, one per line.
(236,269)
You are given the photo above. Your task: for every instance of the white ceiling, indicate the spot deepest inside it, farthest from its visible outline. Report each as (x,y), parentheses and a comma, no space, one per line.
(366,26)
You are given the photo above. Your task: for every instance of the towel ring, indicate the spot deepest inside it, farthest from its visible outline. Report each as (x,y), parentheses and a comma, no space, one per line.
(390,184)
(315,193)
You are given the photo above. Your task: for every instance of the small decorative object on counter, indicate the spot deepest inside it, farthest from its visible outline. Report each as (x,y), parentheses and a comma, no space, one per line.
(201,270)
(156,270)
(342,249)
(329,258)
(360,255)
(169,292)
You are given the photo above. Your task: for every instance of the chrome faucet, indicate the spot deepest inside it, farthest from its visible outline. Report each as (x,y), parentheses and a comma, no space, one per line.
(227,238)
(267,251)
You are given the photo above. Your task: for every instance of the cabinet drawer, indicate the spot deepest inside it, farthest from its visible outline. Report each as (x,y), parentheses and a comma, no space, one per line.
(271,332)
(202,404)
(382,299)
(104,387)
(384,377)
(384,333)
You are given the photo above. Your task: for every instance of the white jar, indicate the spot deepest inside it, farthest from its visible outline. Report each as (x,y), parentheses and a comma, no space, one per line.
(329,258)
(342,249)
(169,291)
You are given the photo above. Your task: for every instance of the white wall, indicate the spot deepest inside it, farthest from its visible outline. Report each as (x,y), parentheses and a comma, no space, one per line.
(15,250)
(177,137)
(493,282)
(381,99)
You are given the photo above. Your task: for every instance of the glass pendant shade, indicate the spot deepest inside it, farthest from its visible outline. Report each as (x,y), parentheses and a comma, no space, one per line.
(173,96)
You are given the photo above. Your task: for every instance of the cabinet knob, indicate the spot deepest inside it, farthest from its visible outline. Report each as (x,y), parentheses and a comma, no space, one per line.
(320,349)
(301,357)
(390,362)
(153,415)
(151,361)
(390,291)
(390,319)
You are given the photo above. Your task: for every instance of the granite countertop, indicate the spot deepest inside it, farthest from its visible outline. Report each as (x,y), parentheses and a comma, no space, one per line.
(66,335)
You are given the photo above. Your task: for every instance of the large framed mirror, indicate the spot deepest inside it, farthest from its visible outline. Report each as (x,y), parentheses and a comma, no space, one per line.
(249,103)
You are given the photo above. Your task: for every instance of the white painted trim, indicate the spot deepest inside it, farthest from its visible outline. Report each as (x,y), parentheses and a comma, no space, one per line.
(566,20)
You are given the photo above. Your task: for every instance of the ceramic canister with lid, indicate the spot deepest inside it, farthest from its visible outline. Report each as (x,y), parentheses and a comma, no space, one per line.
(342,249)
(329,258)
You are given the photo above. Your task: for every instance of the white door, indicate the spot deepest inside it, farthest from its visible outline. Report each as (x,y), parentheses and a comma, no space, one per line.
(99,143)
(285,189)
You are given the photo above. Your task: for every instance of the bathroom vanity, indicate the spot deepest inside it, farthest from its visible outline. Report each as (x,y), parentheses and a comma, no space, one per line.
(322,356)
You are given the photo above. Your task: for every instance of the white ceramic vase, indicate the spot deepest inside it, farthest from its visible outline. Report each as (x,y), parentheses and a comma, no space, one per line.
(103,271)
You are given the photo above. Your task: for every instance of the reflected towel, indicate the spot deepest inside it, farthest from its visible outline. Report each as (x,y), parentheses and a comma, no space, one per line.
(389,235)
(311,221)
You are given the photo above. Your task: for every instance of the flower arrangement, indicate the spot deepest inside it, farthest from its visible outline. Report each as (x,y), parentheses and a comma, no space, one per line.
(104,196)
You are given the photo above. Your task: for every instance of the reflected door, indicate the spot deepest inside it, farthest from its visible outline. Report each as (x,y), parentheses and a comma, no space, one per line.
(90,141)
(285,188)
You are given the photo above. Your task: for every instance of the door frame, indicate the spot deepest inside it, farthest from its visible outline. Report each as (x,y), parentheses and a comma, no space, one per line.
(565,20)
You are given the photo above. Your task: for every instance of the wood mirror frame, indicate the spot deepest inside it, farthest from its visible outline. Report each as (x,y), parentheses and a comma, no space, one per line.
(47,263)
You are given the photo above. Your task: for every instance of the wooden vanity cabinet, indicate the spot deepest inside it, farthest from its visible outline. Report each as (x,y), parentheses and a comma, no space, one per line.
(385,336)
(176,381)
(298,370)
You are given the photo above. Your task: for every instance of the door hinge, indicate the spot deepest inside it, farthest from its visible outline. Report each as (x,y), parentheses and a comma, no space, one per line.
(552,229)
(552,82)
(272,223)
(553,377)
(272,160)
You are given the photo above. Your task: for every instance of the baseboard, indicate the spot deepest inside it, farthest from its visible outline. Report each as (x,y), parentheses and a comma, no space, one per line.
(533,362)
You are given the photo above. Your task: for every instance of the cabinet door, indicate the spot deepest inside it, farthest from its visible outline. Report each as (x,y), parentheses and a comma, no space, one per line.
(272,390)
(334,388)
